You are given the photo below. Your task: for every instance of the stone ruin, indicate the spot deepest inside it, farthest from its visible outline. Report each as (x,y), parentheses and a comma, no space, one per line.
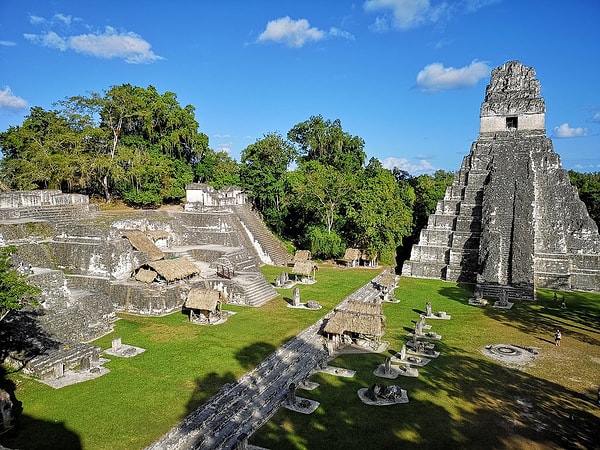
(511,221)
(89,264)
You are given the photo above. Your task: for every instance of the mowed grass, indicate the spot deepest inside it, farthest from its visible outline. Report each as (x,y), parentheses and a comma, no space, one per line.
(183,365)
(463,399)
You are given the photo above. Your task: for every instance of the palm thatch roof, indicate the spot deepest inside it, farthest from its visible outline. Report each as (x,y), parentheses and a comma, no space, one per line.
(371,308)
(168,269)
(304,267)
(344,321)
(352,254)
(147,276)
(204,299)
(387,280)
(144,244)
(302,255)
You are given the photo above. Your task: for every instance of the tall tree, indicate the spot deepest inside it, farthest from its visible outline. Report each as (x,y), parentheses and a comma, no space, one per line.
(322,189)
(263,172)
(45,152)
(326,142)
(588,187)
(217,169)
(15,292)
(379,218)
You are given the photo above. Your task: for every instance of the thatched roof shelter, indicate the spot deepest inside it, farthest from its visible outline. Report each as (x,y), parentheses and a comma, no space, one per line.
(167,269)
(204,299)
(387,280)
(371,308)
(344,321)
(304,268)
(352,254)
(145,275)
(302,255)
(144,244)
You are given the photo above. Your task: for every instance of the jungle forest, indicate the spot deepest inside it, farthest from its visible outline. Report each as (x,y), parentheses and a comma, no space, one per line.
(313,187)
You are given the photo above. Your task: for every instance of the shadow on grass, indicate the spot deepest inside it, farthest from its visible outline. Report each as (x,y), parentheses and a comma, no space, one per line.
(48,434)
(249,357)
(581,318)
(15,338)
(457,402)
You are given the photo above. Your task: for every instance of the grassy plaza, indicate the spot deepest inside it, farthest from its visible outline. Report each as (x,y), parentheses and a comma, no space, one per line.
(462,398)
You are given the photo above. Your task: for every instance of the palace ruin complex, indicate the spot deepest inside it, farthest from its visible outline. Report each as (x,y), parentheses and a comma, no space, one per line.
(511,221)
(91,264)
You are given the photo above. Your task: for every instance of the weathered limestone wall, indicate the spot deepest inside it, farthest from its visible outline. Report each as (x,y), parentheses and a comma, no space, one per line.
(495,124)
(71,315)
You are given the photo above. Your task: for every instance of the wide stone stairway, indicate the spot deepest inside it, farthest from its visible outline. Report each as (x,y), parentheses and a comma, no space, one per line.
(241,408)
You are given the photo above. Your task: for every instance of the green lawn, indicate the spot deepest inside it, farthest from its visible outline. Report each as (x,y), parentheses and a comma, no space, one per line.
(461,399)
(183,365)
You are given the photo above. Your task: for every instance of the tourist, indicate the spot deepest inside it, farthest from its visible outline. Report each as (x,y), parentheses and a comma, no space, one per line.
(557,338)
(563,304)
(555,298)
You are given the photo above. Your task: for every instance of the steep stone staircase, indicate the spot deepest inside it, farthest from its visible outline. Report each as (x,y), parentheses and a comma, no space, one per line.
(270,245)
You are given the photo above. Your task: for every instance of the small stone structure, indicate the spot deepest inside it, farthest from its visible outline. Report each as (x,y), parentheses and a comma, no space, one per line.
(200,195)
(511,221)
(352,257)
(205,305)
(380,395)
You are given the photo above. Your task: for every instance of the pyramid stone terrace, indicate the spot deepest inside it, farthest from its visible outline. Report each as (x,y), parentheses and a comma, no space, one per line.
(511,221)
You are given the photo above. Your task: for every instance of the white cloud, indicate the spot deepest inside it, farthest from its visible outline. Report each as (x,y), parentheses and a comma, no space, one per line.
(50,39)
(565,131)
(36,20)
(435,77)
(293,33)
(405,13)
(336,32)
(596,117)
(62,18)
(226,147)
(127,46)
(9,100)
(423,166)
(7,43)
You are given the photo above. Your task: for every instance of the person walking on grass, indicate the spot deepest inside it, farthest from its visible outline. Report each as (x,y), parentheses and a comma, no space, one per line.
(557,338)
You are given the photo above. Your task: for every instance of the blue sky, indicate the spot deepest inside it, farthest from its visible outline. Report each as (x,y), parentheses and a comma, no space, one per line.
(407,76)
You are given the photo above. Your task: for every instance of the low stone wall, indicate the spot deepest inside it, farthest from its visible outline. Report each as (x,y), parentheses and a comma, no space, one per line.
(67,357)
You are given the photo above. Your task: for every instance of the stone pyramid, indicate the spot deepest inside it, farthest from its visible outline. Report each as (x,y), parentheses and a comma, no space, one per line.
(511,221)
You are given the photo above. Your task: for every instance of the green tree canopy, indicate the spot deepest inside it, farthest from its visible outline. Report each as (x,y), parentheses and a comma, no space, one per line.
(130,142)
(326,142)
(379,217)
(263,172)
(588,186)
(15,292)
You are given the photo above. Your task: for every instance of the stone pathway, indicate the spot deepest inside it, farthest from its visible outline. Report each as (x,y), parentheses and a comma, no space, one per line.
(241,408)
